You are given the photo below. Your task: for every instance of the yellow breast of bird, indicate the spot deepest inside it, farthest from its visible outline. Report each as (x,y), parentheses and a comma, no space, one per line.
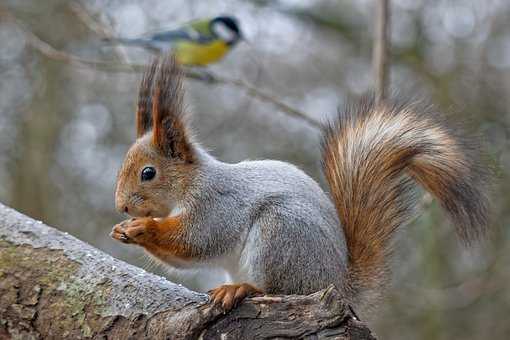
(189,53)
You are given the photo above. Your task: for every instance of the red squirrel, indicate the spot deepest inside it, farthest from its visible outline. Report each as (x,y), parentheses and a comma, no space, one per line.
(271,226)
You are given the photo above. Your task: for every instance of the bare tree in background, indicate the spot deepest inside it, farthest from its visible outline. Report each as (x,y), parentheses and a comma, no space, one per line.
(380,57)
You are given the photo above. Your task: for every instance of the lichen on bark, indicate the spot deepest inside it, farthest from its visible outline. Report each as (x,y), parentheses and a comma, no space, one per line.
(39,290)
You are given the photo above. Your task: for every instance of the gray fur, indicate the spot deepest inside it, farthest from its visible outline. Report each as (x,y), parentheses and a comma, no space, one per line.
(263,222)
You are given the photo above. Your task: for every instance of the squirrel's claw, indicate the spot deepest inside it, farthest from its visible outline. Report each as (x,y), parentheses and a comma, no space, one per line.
(118,234)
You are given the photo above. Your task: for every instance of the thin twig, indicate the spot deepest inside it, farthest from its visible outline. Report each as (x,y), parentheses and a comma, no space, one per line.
(381,49)
(49,51)
(101,29)
(254,92)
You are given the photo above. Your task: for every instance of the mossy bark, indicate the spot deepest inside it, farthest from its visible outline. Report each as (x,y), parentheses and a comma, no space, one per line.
(55,286)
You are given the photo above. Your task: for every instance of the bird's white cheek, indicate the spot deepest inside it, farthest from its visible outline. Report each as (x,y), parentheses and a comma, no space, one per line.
(224,33)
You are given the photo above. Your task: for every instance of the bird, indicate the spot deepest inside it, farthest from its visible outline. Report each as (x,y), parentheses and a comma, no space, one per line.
(199,43)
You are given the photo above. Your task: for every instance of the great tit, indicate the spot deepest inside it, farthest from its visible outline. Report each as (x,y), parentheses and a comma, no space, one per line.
(198,43)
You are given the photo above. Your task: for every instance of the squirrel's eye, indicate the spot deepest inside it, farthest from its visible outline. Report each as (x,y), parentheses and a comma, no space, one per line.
(148,173)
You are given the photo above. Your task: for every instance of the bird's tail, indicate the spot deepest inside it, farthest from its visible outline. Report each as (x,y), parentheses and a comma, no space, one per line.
(127,41)
(372,157)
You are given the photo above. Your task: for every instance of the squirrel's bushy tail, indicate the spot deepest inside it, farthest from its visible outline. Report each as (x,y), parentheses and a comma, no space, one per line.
(372,157)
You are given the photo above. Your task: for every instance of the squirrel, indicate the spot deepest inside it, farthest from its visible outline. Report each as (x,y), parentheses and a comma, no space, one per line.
(271,226)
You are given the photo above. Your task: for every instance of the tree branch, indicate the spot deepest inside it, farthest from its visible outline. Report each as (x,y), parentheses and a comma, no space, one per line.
(55,286)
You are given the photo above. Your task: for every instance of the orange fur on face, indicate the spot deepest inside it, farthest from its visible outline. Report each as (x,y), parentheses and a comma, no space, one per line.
(158,196)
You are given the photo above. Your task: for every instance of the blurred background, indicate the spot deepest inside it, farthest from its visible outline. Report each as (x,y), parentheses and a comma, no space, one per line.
(65,126)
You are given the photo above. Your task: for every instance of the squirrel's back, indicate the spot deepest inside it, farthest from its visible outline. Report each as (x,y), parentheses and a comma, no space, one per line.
(255,183)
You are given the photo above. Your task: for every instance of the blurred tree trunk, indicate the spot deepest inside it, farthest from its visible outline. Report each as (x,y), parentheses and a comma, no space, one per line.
(48,112)
(37,140)
(55,286)
(380,57)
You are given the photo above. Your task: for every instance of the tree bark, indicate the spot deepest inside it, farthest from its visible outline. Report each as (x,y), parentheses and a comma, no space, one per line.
(53,286)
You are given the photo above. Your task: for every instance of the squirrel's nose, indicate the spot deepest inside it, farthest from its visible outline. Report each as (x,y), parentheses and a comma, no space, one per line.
(122,207)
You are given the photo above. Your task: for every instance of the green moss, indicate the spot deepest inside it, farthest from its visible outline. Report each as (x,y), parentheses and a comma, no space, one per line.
(76,303)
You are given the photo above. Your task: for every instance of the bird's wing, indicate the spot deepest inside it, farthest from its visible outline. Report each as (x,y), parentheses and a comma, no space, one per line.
(202,27)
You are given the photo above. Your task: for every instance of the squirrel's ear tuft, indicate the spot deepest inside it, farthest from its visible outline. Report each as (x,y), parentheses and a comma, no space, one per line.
(144,107)
(170,133)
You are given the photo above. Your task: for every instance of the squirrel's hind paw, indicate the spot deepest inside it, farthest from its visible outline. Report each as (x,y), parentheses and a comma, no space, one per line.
(230,295)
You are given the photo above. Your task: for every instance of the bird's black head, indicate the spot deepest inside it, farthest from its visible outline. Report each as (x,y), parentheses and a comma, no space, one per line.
(227,29)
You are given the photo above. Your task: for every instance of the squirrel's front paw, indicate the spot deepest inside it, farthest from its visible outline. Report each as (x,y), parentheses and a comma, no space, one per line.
(135,230)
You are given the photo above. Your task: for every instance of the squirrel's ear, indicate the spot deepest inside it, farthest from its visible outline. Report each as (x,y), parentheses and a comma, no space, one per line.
(170,133)
(144,107)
